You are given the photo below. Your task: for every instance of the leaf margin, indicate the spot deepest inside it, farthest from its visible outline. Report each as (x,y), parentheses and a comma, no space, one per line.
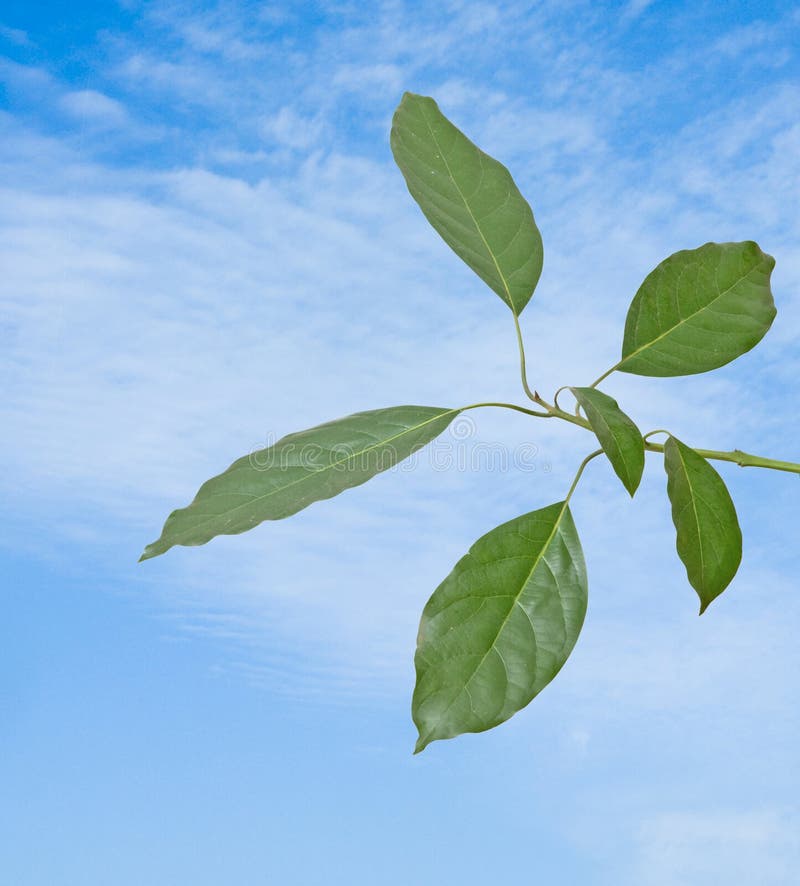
(599,407)
(411,102)
(648,289)
(676,455)
(208,489)
(563,528)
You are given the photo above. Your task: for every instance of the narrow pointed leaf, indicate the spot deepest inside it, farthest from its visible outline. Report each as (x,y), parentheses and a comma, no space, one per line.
(709,539)
(698,310)
(299,469)
(500,626)
(469,198)
(620,438)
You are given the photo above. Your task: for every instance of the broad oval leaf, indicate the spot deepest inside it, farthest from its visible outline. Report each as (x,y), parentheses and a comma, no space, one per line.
(709,539)
(299,469)
(620,438)
(500,626)
(698,310)
(469,198)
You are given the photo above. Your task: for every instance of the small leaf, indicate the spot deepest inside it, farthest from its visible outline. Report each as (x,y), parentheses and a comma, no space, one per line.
(299,469)
(500,626)
(698,310)
(620,438)
(469,198)
(709,539)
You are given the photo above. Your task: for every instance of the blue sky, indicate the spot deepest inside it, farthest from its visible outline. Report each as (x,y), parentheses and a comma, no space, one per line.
(205,245)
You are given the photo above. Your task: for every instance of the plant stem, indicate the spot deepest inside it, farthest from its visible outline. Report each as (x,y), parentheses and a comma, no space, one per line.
(557,412)
(605,375)
(736,456)
(583,464)
(743,459)
(507,406)
(532,395)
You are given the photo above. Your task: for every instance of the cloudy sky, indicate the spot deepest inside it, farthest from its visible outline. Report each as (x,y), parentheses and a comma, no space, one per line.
(204,244)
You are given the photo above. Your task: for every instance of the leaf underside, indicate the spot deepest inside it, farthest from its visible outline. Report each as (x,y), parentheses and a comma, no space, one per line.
(299,469)
(469,198)
(500,626)
(709,540)
(618,435)
(698,310)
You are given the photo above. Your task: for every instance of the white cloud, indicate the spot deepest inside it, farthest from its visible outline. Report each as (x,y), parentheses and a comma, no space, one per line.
(92,106)
(160,322)
(292,130)
(634,8)
(371,80)
(25,78)
(15,36)
(759,847)
(225,32)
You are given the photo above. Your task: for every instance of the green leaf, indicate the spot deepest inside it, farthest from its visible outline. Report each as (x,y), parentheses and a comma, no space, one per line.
(299,469)
(709,538)
(469,198)
(698,310)
(620,438)
(500,626)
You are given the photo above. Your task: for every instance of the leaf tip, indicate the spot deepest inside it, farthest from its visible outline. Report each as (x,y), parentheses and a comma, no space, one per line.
(705,603)
(632,485)
(149,552)
(421,744)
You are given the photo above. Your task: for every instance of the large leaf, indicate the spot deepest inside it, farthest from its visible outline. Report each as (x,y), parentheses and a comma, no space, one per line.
(469,198)
(698,310)
(709,539)
(500,626)
(620,438)
(300,469)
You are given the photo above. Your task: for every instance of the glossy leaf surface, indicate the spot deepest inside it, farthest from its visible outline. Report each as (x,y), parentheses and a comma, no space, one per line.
(698,310)
(500,626)
(299,469)
(469,198)
(709,540)
(620,438)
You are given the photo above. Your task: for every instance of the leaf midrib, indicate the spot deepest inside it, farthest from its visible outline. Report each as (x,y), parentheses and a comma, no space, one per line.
(696,518)
(469,209)
(623,461)
(537,560)
(686,319)
(315,473)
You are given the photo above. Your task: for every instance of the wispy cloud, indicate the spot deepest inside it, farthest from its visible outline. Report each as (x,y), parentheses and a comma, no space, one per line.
(87,104)
(15,36)
(292,130)
(261,269)
(634,8)
(727,846)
